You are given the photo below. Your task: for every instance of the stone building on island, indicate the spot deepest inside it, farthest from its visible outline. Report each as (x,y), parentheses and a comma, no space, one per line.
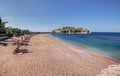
(71,30)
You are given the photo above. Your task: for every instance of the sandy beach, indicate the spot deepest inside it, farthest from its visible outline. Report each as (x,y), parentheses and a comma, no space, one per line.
(51,57)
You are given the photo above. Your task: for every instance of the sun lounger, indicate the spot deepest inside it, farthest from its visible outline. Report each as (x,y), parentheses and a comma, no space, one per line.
(3,43)
(18,50)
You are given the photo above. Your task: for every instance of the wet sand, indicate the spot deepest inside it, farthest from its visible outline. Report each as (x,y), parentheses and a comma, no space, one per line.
(50,57)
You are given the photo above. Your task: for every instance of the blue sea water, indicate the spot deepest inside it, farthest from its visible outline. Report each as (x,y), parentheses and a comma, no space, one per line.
(104,43)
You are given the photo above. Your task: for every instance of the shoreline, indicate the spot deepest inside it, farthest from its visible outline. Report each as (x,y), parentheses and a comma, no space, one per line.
(86,49)
(51,57)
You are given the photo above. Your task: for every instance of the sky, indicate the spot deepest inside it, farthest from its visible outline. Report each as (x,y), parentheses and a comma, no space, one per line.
(46,15)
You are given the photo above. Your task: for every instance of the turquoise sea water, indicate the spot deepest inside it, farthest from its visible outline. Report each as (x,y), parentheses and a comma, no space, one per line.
(106,44)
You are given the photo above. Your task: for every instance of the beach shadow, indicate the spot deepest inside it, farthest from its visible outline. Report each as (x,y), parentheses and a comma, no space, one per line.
(21,51)
(3,44)
(24,43)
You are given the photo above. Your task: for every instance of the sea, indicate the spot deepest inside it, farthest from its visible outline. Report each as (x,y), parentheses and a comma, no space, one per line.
(104,43)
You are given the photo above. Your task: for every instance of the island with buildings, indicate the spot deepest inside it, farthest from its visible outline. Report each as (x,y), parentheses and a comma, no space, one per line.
(71,30)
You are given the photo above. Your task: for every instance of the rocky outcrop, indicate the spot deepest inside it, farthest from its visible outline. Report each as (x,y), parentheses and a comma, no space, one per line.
(112,70)
(71,30)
